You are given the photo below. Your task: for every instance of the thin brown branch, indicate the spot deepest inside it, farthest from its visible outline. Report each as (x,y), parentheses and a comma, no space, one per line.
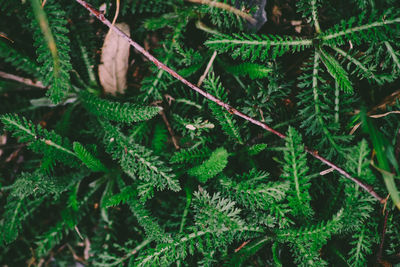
(5,37)
(171,132)
(26,81)
(226,7)
(379,256)
(207,70)
(115,17)
(212,98)
(242,246)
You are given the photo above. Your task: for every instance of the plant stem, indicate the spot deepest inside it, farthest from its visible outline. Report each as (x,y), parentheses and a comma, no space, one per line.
(315,16)
(185,212)
(226,7)
(22,80)
(212,98)
(207,70)
(171,132)
(383,237)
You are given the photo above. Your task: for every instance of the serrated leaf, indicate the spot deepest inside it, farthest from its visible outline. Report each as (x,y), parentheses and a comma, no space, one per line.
(336,71)
(211,167)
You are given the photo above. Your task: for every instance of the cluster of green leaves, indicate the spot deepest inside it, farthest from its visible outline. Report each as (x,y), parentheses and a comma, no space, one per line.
(159,176)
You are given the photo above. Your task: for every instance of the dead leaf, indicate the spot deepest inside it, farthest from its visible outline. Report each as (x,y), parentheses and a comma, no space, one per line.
(3,141)
(297,24)
(276,14)
(115,61)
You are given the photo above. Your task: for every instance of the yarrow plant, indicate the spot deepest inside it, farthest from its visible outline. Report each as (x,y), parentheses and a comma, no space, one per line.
(235,142)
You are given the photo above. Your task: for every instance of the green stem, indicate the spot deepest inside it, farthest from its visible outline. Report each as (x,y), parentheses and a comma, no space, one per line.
(275,255)
(393,54)
(337,100)
(189,195)
(315,16)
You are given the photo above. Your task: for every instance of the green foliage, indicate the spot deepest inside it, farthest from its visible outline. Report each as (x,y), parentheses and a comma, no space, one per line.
(224,18)
(322,108)
(256,149)
(252,47)
(115,111)
(40,140)
(151,227)
(360,29)
(17,59)
(254,191)
(228,123)
(136,160)
(88,159)
(142,6)
(212,166)
(305,242)
(16,211)
(192,155)
(220,221)
(161,175)
(309,9)
(295,170)
(337,72)
(361,246)
(121,198)
(52,43)
(253,70)
(159,139)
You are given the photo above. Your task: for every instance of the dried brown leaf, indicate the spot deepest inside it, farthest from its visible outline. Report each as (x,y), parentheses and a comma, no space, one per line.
(114,61)
(3,141)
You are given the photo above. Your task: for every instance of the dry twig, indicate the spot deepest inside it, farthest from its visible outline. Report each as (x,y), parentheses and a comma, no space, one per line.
(226,7)
(207,70)
(22,80)
(171,132)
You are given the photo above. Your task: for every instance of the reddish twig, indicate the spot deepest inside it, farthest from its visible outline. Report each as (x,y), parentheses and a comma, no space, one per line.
(21,80)
(242,246)
(378,259)
(212,98)
(171,132)
(226,7)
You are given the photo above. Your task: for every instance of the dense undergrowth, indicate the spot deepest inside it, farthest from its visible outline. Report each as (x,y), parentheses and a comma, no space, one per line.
(159,175)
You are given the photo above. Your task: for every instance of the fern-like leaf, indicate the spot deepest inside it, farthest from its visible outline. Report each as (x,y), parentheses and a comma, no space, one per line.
(115,111)
(191,155)
(160,138)
(364,28)
(40,140)
(294,170)
(152,228)
(53,47)
(136,160)
(88,159)
(228,123)
(261,47)
(307,241)
(211,167)
(253,70)
(122,197)
(361,246)
(18,59)
(336,71)
(16,212)
(254,191)
(362,66)
(217,225)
